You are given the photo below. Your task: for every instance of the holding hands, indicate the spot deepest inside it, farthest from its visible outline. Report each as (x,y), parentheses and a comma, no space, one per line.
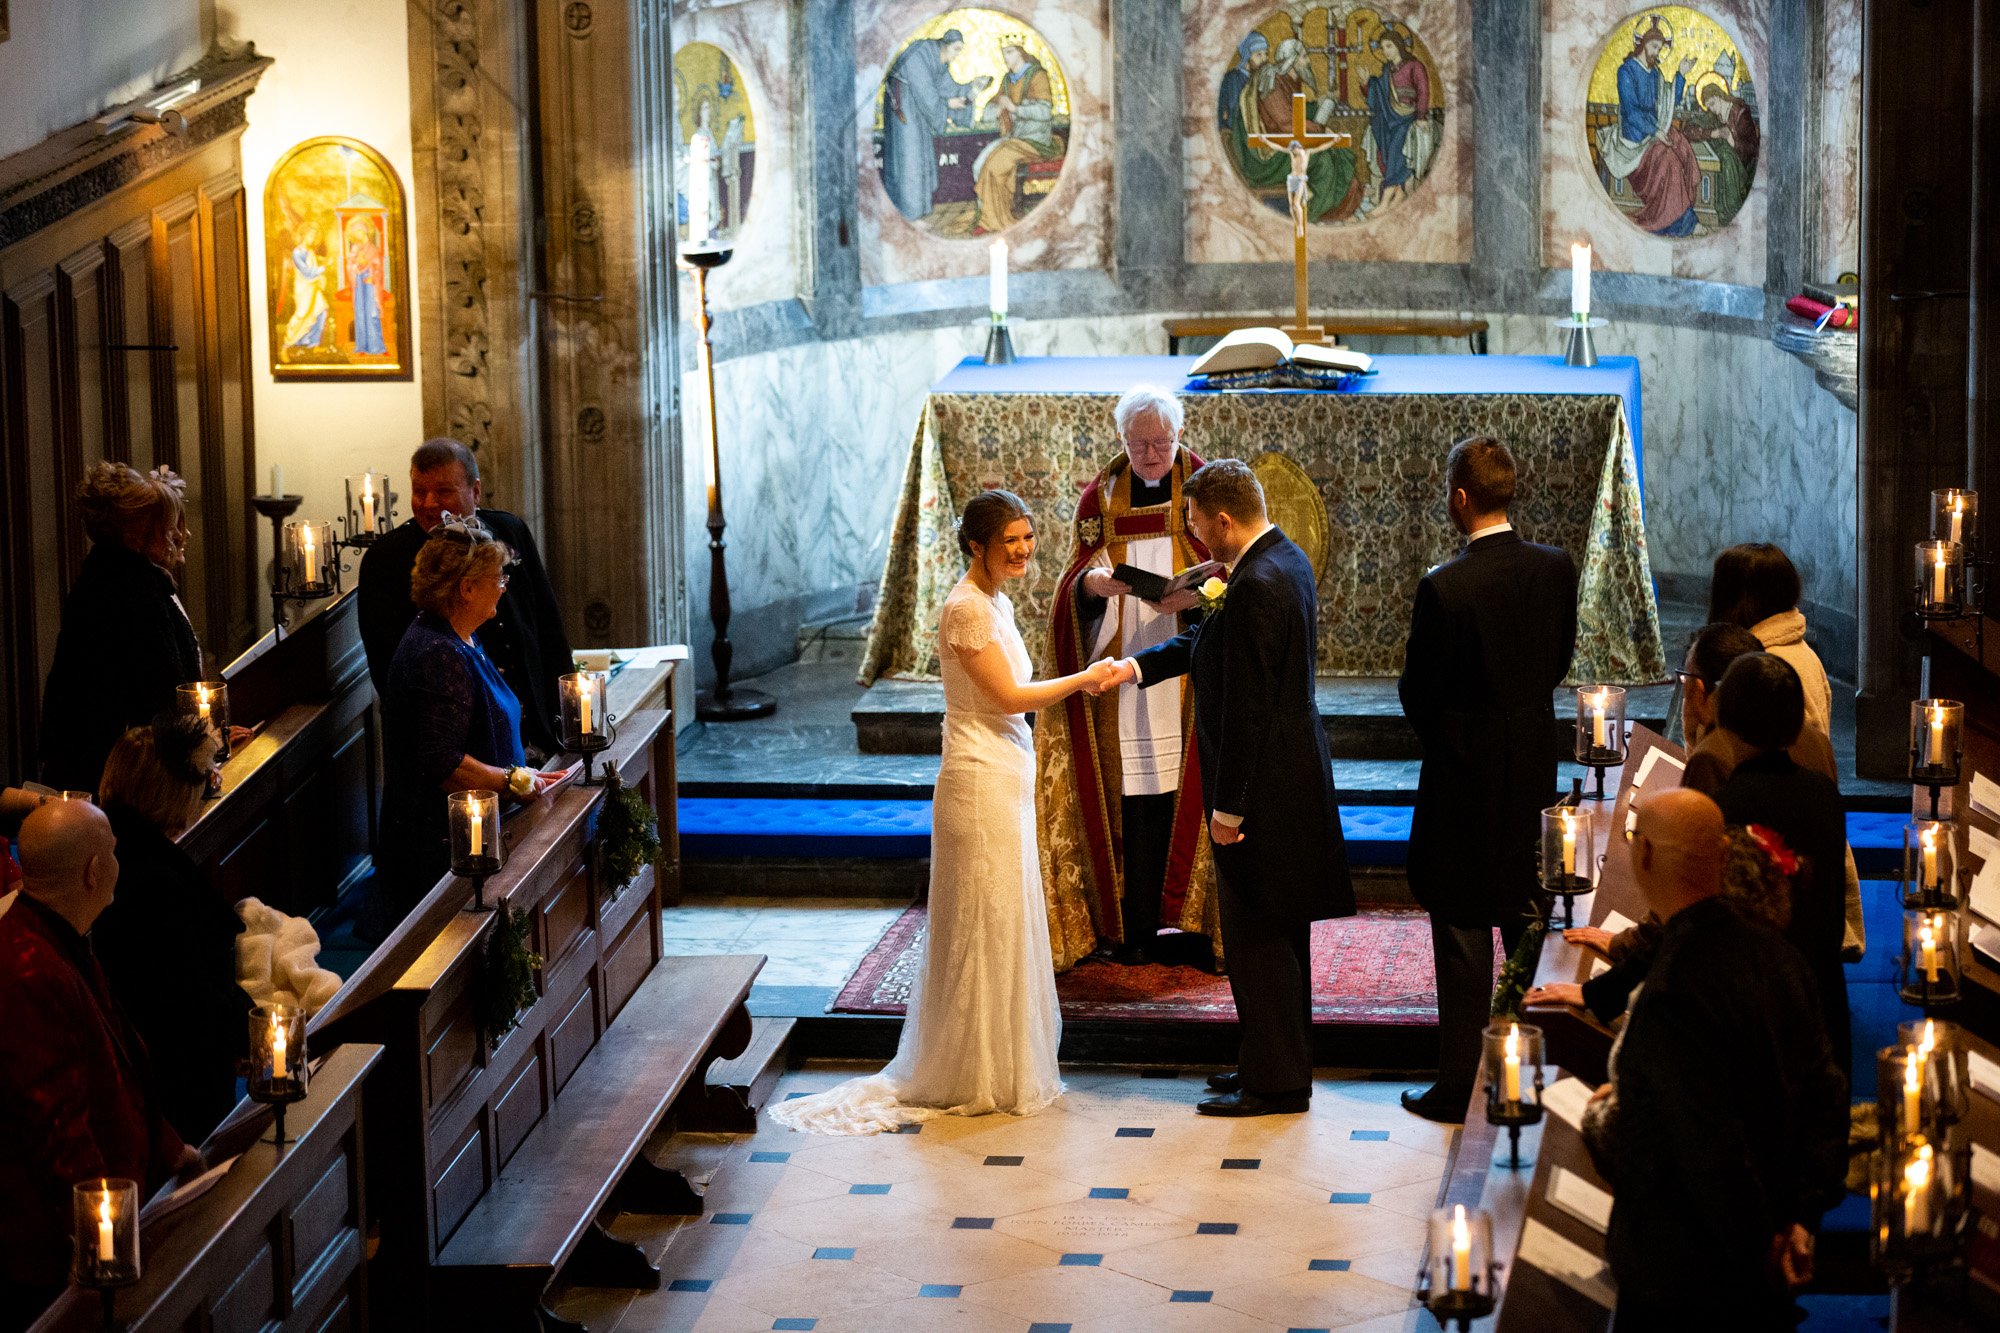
(1109,674)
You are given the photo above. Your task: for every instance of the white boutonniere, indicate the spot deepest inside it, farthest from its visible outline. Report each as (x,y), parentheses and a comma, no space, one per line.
(1212,594)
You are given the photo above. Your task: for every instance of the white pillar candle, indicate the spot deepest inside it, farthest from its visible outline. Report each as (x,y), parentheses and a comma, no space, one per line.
(1957,519)
(277,1047)
(311,556)
(996,279)
(1936,756)
(1917,1200)
(277,479)
(1930,857)
(368,502)
(1913,1088)
(1579,280)
(1510,1075)
(476,827)
(583,708)
(1569,843)
(1597,706)
(106,1252)
(1928,938)
(1937,581)
(201,701)
(1461,1250)
(700,186)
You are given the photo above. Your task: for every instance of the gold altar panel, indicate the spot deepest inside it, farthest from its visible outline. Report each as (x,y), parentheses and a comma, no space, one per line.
(1376,462)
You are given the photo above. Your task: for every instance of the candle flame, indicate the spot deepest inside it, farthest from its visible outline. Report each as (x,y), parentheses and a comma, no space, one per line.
(104,1208)
(1930,838)
(1917,1174)
(1461,1236)
(1958,505)
(368,485)
(1937,709)
(1513,1041)
(201,694)
(1929,1043)
(1925,935)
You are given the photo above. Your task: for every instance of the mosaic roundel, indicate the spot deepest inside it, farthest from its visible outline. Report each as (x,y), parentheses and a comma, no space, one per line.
(716,136)
(972,123)
(1373,111)
(1672,123)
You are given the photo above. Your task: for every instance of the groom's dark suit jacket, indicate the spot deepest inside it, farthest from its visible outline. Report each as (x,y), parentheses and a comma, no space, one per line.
(1258,737)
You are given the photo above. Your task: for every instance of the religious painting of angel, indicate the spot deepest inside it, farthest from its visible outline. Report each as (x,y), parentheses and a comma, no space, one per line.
(716,137)
(972,123)
(1365,74)
(336,264)
(1672,123)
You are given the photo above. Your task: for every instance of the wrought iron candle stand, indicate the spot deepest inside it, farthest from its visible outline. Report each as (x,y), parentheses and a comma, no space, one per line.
(477,850)
(1937,746)
(104,1254)
(1600,731)
(277,508)
(1569,850)
(299,575)
(584,724)
(278,1063)
(1933,957)
(1460,1281)
(1512,1050)
(1930,866)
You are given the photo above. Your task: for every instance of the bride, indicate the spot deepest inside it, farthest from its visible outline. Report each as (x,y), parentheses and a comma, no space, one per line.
(982,1025)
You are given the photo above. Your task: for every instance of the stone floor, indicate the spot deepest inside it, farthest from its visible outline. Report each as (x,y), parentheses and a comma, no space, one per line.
(811,945)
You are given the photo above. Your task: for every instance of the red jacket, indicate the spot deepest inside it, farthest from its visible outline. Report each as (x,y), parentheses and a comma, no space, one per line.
(73,1097)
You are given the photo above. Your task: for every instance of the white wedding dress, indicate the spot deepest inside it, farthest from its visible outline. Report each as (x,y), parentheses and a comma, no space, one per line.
(983,1023)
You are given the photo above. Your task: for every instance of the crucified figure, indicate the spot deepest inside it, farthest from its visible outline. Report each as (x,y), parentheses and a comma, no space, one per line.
(1296,189)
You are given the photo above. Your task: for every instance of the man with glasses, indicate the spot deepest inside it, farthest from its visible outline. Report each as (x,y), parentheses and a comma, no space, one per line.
(525,638)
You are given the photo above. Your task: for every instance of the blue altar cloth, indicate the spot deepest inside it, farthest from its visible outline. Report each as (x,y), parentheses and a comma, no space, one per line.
(1466,374)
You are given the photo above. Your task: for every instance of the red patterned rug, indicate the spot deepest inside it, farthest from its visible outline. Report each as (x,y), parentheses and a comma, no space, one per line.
(1372,969)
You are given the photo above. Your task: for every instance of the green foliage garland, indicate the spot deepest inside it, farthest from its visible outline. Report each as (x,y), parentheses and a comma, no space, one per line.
(1518,972)
(507,987)
(628,835)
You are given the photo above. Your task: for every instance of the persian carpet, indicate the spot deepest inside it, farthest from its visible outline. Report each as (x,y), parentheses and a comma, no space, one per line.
(1372,969)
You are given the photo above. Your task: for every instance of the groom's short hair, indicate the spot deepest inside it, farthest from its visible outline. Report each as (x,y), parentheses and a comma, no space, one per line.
(1226,486)
(1483,468)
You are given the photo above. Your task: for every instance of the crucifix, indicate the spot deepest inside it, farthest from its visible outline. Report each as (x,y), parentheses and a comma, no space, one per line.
(1301,145)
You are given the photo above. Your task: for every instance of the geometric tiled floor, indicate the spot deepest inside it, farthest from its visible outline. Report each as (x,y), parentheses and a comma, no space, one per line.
(1117,1209)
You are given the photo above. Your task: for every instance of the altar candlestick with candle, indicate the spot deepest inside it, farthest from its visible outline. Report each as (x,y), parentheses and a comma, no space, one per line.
(996,280)
(1579,281)
(1913,1088)
(106,1252)
(1510,1076)
(1461,1250)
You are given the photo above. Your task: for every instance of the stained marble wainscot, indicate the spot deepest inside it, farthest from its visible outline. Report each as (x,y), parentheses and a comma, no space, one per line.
(756,34)
(1227,224)
(1836,164)
(1574,205)
(1071,228)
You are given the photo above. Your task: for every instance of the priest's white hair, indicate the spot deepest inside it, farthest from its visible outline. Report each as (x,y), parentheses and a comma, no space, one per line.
(1148,400)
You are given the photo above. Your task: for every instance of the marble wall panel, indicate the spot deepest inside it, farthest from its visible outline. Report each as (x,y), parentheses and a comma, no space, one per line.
(1836,166)
(1227,224)
(1574,205)
(756,35)
(1071,228)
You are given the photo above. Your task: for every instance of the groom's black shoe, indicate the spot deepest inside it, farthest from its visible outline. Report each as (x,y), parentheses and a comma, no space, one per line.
(1437,1104)
(1229,1082)
(1241,1103)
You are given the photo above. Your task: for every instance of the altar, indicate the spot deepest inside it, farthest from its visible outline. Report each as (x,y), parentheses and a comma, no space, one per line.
(1370,467)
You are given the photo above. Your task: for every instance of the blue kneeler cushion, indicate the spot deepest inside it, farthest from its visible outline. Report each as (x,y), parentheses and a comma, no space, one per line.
(1877,840)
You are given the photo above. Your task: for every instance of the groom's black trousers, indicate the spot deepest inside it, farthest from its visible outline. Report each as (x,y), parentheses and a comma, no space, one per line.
(1270,978)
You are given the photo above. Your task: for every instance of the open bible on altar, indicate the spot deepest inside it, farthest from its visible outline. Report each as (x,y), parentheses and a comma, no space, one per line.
(1270,349)
(1151,587)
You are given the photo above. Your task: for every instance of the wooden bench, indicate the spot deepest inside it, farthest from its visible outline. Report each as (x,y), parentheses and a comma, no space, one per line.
(541,1212)
(1350,326)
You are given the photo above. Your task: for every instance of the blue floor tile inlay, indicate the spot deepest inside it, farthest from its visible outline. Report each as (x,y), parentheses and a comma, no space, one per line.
(1081,1260)
(690,1284)
(834,1252)
(1191,1297)
(1215,1229)
(730,1220)
(1348,1198)
(867,1189)
(939,1289)
(1107,1192)
(1370,1136)
(1134,1132)
(770,1157)
(1241,1163)
(972,1223)
(798,1325)
(1329,1265)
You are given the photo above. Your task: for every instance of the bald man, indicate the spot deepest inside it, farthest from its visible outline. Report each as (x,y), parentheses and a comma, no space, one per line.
(73,1098)
(1729,1133)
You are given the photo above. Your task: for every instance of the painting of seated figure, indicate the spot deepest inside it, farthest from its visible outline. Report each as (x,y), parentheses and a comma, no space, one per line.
(972,123)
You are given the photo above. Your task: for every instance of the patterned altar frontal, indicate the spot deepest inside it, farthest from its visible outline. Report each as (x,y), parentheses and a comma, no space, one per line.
(1375,455)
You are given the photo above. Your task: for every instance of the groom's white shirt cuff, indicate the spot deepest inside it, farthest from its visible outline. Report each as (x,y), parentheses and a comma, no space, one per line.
(1226,820)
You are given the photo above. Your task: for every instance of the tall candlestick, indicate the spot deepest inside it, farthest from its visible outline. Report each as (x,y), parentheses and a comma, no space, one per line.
(476,827)
(1917,1200)
(277,1045)
(996,279)
(1913,1090)
(1569,843)
(1461,1250)
(1579,281)
(1510,1079)
(106,1252)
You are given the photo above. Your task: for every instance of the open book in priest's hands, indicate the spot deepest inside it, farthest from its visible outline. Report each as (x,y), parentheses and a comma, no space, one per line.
(1262,349)
(1151,587)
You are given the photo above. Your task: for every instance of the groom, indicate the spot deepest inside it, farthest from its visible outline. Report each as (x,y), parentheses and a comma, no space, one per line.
(1267,779)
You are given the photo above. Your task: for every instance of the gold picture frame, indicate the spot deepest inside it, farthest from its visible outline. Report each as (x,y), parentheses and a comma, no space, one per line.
(336,264)
(3,20)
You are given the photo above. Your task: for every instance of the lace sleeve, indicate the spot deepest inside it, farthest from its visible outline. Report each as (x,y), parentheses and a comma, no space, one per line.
(966,627)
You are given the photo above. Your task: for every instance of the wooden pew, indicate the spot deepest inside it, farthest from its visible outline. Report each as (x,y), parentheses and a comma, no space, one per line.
(277,1243)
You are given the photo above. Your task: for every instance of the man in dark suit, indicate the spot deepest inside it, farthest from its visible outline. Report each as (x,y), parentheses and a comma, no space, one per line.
(525,638)
(1724,1129)
(1266,781)
(1490,639)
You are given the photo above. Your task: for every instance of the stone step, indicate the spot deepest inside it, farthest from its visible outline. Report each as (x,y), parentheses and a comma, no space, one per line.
(1363,718)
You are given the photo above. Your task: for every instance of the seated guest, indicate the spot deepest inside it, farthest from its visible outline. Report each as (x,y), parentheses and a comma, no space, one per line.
(525,639)
(125,642)
(168,945)
(1756,586)
(1761,701)
(451,723)
(75,1102)
(1723,1130)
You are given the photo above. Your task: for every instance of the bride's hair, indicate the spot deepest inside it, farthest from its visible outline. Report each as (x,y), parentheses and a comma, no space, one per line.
(986,516)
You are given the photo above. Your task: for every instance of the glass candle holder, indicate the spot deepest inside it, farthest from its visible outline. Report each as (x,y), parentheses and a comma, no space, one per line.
(277,1053)
(209,701)
(1903,1104)
(1947,1078)
(476,849)
(105,1226)
(311,562)
(1918,1193)
(1940,578)
(1459,1278)
(370,507)
(1930,865)
(1513,1065)
(1955,517)
(1937,730)
(1600,725)
(1933,950)
(1569,850)
(585,723)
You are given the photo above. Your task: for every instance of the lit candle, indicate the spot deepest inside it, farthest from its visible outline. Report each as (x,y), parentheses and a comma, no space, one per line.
(1569,844)
(1510,1075)
(1579,280)
(1928,936)
(1930,857)
(478,832)
(1957,518)
(996,279)
(1936,757)
(201,701)
(585,689)
(1461,1250)
(105,1251)
(368,502)
(1937,581)
(1598,703)
(1929,1043)
(1913,1087)
(277,1046)
(1917,1200)
(311,556)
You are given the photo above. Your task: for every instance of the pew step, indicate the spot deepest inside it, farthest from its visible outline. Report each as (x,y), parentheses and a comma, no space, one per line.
(738,1089)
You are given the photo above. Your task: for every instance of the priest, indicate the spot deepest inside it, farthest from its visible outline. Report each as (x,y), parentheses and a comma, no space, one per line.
(1123,849)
